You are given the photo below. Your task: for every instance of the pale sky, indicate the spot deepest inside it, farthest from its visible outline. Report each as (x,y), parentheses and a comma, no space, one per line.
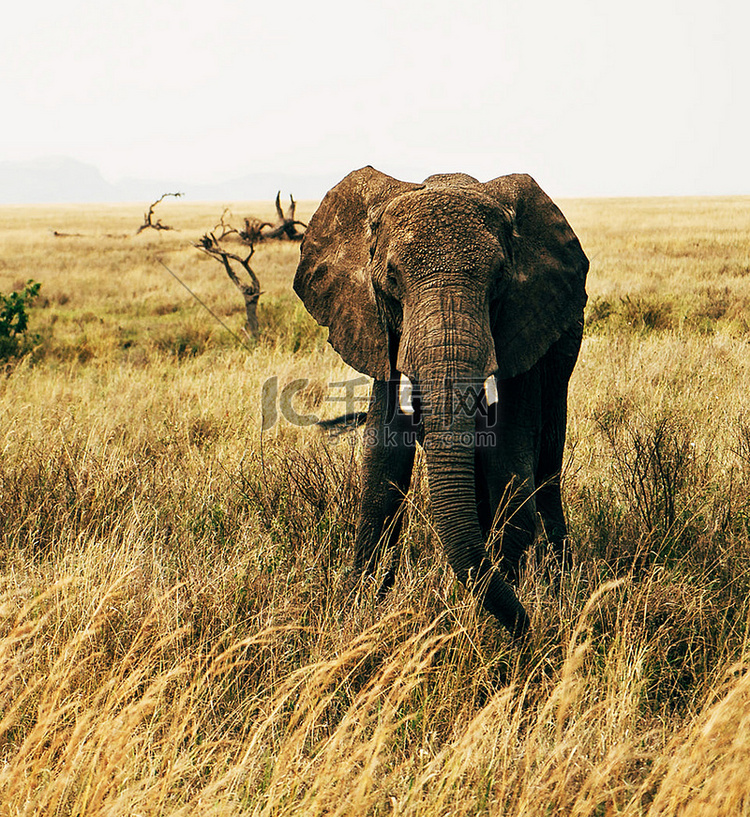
(635,97)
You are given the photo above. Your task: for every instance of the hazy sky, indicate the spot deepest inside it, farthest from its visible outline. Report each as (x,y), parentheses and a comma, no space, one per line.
(590,97)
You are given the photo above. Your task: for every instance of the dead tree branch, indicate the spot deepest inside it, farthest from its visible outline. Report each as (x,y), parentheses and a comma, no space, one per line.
(253,231)
(257,230)
(148,218)
(251,293)
(226,227)
(287,225)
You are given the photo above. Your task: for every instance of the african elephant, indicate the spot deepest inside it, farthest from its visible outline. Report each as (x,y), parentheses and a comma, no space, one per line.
(464,301)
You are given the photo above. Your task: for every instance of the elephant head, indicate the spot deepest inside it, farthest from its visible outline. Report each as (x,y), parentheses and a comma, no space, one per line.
(447,281)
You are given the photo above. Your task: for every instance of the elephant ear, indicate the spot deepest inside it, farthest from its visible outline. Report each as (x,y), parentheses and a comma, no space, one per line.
(545,292)
(333,278)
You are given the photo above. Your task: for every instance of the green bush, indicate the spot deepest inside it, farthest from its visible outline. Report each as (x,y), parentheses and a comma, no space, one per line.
(14,319)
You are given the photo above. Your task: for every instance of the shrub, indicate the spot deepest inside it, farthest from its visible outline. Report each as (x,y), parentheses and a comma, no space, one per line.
(14,319)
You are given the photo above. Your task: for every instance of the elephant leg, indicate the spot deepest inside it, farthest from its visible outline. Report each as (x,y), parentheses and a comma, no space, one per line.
(507,472)
(506,511)
(516,519)
(548,498)
(390,442)
(556,368)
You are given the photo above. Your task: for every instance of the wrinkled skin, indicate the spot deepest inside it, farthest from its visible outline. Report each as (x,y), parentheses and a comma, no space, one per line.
(449,283)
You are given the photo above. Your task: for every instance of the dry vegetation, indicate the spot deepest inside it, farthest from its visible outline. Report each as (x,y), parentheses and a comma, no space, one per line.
(178,630)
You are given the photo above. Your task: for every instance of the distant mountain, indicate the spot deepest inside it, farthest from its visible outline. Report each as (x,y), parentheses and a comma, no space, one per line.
(54,179)
(63,180)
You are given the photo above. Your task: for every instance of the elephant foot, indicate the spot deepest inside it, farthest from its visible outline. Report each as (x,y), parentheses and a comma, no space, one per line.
(510,572)
(360,581)
(350,582)
(563,555)
(557,561)
(388,581)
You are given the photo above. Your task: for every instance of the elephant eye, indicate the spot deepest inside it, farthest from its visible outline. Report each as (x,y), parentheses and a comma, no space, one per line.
(387,278)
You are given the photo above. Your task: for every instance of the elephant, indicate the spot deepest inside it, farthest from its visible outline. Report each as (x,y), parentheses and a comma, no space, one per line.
(464,302)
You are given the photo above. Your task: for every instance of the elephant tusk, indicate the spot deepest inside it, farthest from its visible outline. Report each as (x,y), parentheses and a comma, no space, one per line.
(490,390)
(405,395)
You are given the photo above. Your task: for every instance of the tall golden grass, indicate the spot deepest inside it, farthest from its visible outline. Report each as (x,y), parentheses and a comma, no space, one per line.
(179,630)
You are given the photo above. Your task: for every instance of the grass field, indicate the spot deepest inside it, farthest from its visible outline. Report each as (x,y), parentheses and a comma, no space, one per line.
(179,631)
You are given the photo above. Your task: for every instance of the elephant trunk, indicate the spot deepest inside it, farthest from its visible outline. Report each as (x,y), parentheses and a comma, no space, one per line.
(449,445)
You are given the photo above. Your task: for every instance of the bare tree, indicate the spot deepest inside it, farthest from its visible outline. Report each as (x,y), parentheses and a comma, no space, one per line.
(148,217)
(253,231)
(251,292)
(225,227)
(252,234)
(256,229)
(287,224)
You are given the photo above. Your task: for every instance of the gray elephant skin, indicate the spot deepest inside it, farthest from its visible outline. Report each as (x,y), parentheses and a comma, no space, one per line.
(464,301)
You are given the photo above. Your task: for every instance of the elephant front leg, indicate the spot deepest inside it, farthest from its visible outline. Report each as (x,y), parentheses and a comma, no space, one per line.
(549,499)
(505,473)
(556,368)
(514,523)
(389,446)
(506,505)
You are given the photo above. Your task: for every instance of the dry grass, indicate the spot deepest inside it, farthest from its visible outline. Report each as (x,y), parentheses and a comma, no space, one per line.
(179,632)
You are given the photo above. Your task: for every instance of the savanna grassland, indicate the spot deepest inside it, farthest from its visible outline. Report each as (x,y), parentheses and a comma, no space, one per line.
(179,631)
